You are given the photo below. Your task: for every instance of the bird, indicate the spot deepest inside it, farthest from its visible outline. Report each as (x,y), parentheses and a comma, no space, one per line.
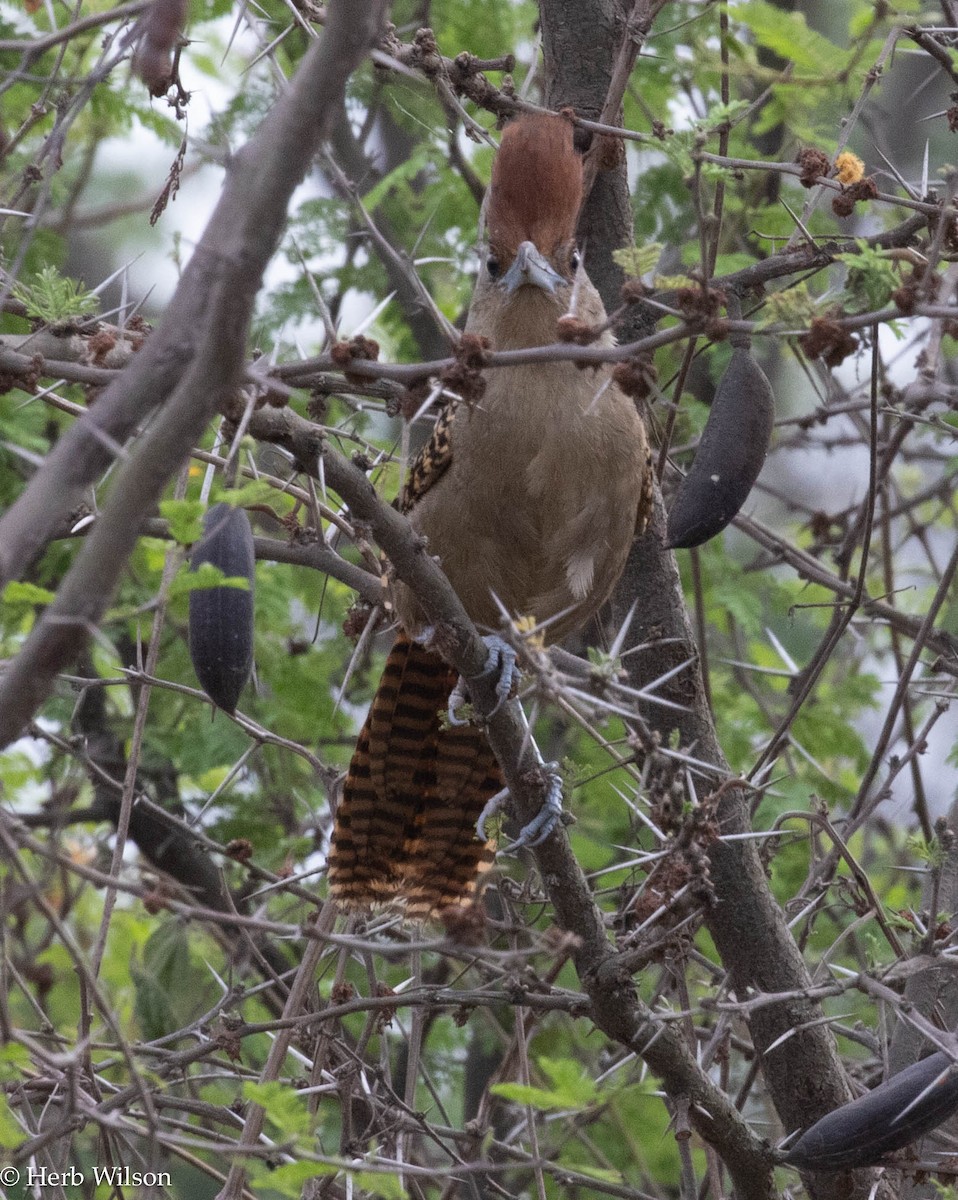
(530,496)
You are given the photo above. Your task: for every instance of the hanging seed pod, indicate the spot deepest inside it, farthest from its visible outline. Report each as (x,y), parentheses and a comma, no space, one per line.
(221,618)
(730,455)
(890,1116)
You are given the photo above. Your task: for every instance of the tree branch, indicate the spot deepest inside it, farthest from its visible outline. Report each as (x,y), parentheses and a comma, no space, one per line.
(193,363)
(617,1010)
(804,1073)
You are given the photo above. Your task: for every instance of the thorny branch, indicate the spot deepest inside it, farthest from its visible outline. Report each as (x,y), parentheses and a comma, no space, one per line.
(680,1044)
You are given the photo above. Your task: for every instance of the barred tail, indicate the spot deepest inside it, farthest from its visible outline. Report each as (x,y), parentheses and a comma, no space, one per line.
(406,823)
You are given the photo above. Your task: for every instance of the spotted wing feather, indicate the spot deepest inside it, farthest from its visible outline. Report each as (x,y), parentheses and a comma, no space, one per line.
(431,462)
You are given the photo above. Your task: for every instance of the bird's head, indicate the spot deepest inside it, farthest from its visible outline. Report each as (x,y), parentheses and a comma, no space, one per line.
(533,205)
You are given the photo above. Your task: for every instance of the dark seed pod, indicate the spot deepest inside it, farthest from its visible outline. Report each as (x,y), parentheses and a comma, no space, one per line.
(221,618)
(730,455)
(861,1133)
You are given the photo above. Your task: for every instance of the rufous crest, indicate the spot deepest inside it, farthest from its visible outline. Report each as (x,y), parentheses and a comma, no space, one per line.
(536,189)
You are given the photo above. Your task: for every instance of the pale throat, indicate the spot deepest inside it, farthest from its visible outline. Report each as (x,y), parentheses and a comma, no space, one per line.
(528,318)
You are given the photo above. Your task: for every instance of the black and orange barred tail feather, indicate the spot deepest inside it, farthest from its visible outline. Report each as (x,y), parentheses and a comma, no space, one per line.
(405,826)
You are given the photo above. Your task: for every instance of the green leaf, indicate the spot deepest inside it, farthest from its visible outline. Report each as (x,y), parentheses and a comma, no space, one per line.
(872,276)
(205,576)
(637,260)
(591,1171)
(256,491)
(668,283)
(389,1187)
(571,1087)
(400,175)
(54,298)
(185,518)
(284,1107)
(14,1059)
(727,264)
(794,308)
(788,34)
(166,130)
(741,602)
(868,15)
(168,989)
(11,1132)
(287,1179)
(20,597)
(930,852)
(723,114)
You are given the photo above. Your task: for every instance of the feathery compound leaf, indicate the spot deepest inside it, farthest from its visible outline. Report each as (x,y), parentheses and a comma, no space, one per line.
(793,307)
(185,518)
(788,34)
(637,260)
(872,276)
(51,297)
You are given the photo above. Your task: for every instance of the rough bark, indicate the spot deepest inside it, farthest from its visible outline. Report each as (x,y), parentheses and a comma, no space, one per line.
(578,45)
(804,1073)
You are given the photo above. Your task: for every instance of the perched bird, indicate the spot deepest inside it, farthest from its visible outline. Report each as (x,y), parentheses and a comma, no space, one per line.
(530,498)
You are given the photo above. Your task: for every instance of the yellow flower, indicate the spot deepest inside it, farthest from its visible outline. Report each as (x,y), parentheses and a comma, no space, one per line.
(849,168)
(526,626)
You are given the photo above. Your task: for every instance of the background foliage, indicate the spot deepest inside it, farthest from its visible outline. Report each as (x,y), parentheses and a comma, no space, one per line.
(137,1026)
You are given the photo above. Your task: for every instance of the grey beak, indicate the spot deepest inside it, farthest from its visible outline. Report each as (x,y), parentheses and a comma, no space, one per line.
(531,267)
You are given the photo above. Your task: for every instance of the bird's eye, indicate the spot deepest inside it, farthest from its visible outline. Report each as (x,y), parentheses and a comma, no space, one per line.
(493,267)
(574,260)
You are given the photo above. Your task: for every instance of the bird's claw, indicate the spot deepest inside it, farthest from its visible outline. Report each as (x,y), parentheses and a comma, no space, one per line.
(548,816)
(493,805)
(500,659)
(542,824)
(457,697)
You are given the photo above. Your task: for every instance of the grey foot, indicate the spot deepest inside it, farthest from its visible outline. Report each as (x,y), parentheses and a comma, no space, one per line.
(548,816)
(542,824)
(501,660)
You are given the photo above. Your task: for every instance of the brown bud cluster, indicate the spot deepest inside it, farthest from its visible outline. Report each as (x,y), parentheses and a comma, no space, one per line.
(636,376)
(700,304)
(411,401)
(843,205)
(918,286)
(829,341)
(357,348)
(465,377)
(100,344)
(342,993)
(465,924)
(814,163)
(573,329)
(633,290)
(239,850)
(356,619)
